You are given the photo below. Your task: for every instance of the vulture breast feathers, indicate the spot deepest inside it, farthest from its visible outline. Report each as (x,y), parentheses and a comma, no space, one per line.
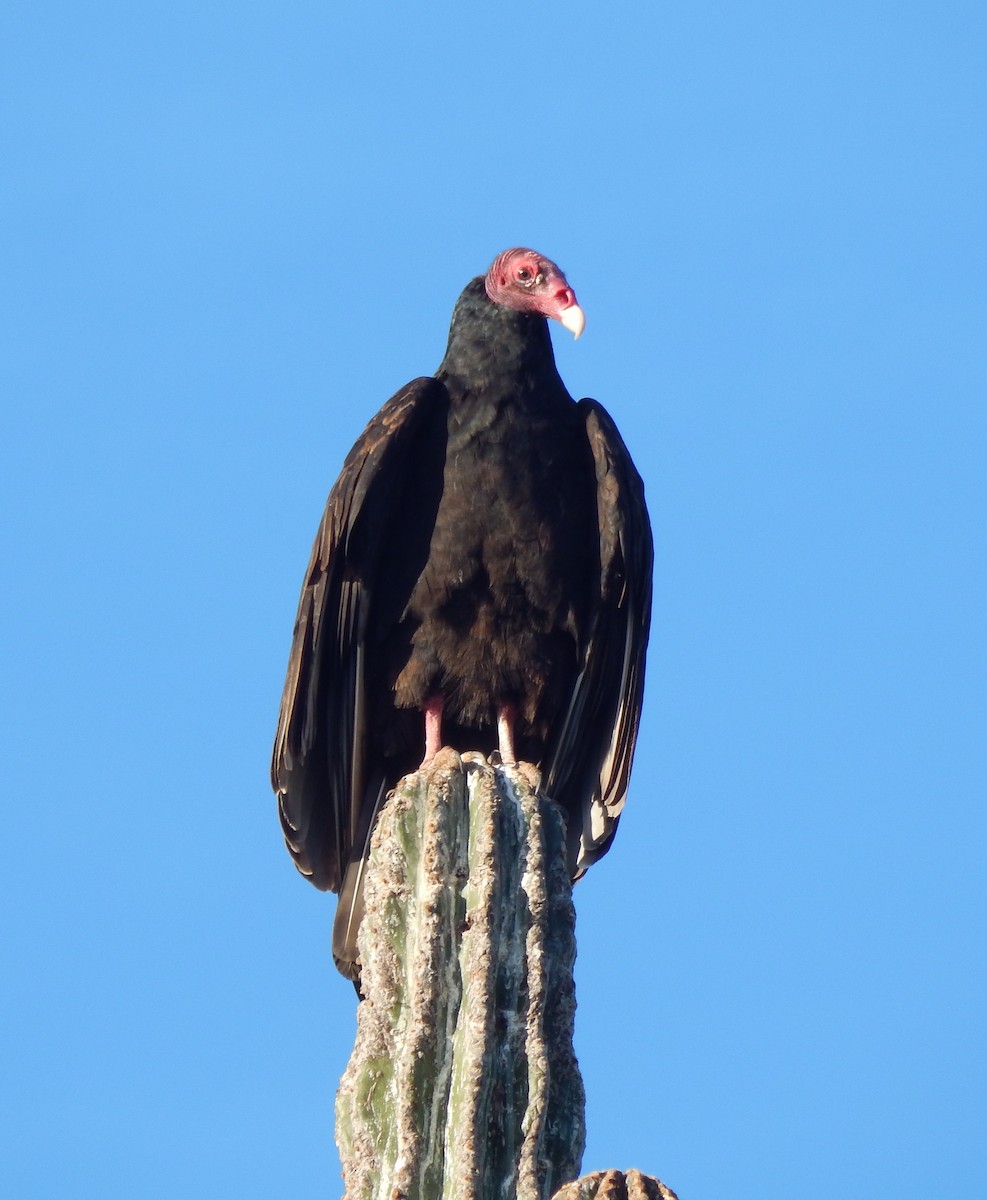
(481,579)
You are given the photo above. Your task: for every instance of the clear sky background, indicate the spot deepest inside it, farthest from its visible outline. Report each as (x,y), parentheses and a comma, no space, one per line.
(229,233)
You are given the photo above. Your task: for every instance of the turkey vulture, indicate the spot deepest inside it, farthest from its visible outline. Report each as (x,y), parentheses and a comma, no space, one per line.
(481,579)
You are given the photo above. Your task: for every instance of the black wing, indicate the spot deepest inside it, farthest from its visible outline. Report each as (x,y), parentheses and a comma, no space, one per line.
(318,768)
(591,757)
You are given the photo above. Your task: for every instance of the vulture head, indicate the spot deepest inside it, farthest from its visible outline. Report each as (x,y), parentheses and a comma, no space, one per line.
(523,280)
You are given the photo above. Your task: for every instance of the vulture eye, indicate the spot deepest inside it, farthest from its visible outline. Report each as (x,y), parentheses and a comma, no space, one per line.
(525,275)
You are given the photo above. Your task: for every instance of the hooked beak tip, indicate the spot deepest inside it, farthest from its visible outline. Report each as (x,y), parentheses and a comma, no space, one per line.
(574,319)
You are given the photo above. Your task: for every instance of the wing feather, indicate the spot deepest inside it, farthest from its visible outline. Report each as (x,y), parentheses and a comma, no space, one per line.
(318,766)
(590,764)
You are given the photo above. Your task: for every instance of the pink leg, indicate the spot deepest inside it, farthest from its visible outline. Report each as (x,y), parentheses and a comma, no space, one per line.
(433,728)
(506,716)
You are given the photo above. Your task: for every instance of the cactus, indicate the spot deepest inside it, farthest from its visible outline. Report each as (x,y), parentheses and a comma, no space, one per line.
(463,1084)
(615,1185)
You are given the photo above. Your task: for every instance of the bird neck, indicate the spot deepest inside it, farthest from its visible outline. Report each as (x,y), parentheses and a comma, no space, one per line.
(495,348)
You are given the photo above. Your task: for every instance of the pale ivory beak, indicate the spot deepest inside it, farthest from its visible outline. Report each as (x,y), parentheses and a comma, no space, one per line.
(574,319)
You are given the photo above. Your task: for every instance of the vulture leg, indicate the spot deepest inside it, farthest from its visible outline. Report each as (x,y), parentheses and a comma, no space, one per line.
(506,716)
(433,728)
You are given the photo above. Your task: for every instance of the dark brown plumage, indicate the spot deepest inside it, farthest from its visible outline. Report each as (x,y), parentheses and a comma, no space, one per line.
(484,559)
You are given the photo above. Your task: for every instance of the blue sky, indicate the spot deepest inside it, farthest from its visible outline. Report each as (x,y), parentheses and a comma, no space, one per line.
(229,233)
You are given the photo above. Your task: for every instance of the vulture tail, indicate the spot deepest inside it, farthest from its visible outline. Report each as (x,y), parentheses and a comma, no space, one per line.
(349,910)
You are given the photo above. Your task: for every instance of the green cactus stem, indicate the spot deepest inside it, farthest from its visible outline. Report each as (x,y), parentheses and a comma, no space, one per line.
(463,1084)
(616,1185)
